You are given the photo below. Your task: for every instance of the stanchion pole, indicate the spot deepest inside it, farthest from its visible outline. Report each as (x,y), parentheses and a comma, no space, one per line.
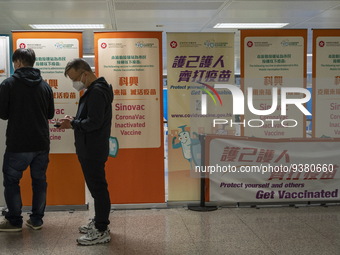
(202,207)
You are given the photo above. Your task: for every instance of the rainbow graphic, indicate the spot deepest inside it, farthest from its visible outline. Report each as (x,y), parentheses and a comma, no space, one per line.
(210,94)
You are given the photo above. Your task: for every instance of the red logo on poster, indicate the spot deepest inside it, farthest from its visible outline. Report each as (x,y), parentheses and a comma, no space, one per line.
(321,43)
(103,45)
(22,46)
(173,44)
(250,44)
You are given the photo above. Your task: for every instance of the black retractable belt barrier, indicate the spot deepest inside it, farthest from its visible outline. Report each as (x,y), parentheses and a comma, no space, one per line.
(202,207)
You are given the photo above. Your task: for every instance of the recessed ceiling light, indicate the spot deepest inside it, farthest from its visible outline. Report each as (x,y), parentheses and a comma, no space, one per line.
(67,26)
(250,25)
(88,56)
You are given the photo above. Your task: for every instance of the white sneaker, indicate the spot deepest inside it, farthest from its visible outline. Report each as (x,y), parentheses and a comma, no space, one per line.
(94,236)
(85,228)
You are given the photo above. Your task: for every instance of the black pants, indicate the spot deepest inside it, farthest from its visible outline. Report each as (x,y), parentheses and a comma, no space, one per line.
(94,173)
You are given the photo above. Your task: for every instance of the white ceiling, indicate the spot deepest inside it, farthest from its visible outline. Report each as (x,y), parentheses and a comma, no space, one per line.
(168,15)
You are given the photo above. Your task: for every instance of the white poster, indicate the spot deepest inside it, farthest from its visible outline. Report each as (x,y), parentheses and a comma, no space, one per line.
(327,85)
(131,65)
(269,170)
(5,58)
(197,63)
(4,73)
(271,63)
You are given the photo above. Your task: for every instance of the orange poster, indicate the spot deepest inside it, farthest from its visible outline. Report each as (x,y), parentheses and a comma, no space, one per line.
(273,61)
(132,63)
(53,50)
(326,82)
(4,73)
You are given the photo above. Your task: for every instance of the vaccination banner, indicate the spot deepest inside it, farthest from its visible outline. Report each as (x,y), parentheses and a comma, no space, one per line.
(5,61)
(52,55)
(270,170)
(273,80)
(132,63)
(326,83)
(5,58)
(198,64)
(53,50)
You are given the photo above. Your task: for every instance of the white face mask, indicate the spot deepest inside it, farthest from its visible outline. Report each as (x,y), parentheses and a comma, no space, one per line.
(78,85)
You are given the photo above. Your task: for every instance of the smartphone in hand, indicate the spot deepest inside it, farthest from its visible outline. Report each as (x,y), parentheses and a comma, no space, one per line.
(57,124)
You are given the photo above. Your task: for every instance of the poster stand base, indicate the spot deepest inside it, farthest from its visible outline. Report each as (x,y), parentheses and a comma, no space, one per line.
(202,207)
(199,208)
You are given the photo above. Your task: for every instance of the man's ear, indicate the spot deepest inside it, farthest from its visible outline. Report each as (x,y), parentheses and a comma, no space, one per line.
(17,64)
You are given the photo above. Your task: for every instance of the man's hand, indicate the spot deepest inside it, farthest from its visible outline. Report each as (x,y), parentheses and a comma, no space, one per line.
(65,123)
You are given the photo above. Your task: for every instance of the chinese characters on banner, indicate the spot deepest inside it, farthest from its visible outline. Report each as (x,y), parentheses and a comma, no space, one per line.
(4,73)
(132,63)
(193,73)
(326,83)
(268,170)
(52,55)
(129,64)
(4,58)
(196,62)
(273,59)
(53,51)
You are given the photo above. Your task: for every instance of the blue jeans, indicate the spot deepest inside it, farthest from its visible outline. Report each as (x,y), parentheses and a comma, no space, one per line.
(13,167)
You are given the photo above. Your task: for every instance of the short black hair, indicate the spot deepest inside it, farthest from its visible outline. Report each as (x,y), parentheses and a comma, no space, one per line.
(77,64)
(25,56)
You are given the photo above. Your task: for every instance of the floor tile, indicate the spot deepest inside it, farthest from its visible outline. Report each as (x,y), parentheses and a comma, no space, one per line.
(239,231)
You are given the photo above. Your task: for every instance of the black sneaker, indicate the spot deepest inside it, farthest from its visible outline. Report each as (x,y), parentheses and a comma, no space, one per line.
(32,226)
(6,226)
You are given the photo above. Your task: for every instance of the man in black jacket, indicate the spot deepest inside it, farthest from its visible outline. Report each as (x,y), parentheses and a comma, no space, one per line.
(92,127)
(26,101)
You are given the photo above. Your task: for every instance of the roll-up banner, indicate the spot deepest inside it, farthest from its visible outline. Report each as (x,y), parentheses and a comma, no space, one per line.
(53,50)
(4,73)
(257,170)
(197,65)
(132,63)
(5,59)
(326,83)
(273,80)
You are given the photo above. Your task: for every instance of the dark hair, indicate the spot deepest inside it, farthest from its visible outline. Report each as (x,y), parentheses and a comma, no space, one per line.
(25,56)
(77,64)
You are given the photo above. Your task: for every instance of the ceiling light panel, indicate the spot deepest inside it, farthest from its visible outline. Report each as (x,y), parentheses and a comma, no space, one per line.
(250,25)
(67,26)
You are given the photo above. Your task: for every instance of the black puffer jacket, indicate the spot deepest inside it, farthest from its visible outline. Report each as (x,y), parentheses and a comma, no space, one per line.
(26,101)
(92,124)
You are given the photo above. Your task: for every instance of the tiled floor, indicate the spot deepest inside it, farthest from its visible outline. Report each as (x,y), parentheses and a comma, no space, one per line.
(283,230)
